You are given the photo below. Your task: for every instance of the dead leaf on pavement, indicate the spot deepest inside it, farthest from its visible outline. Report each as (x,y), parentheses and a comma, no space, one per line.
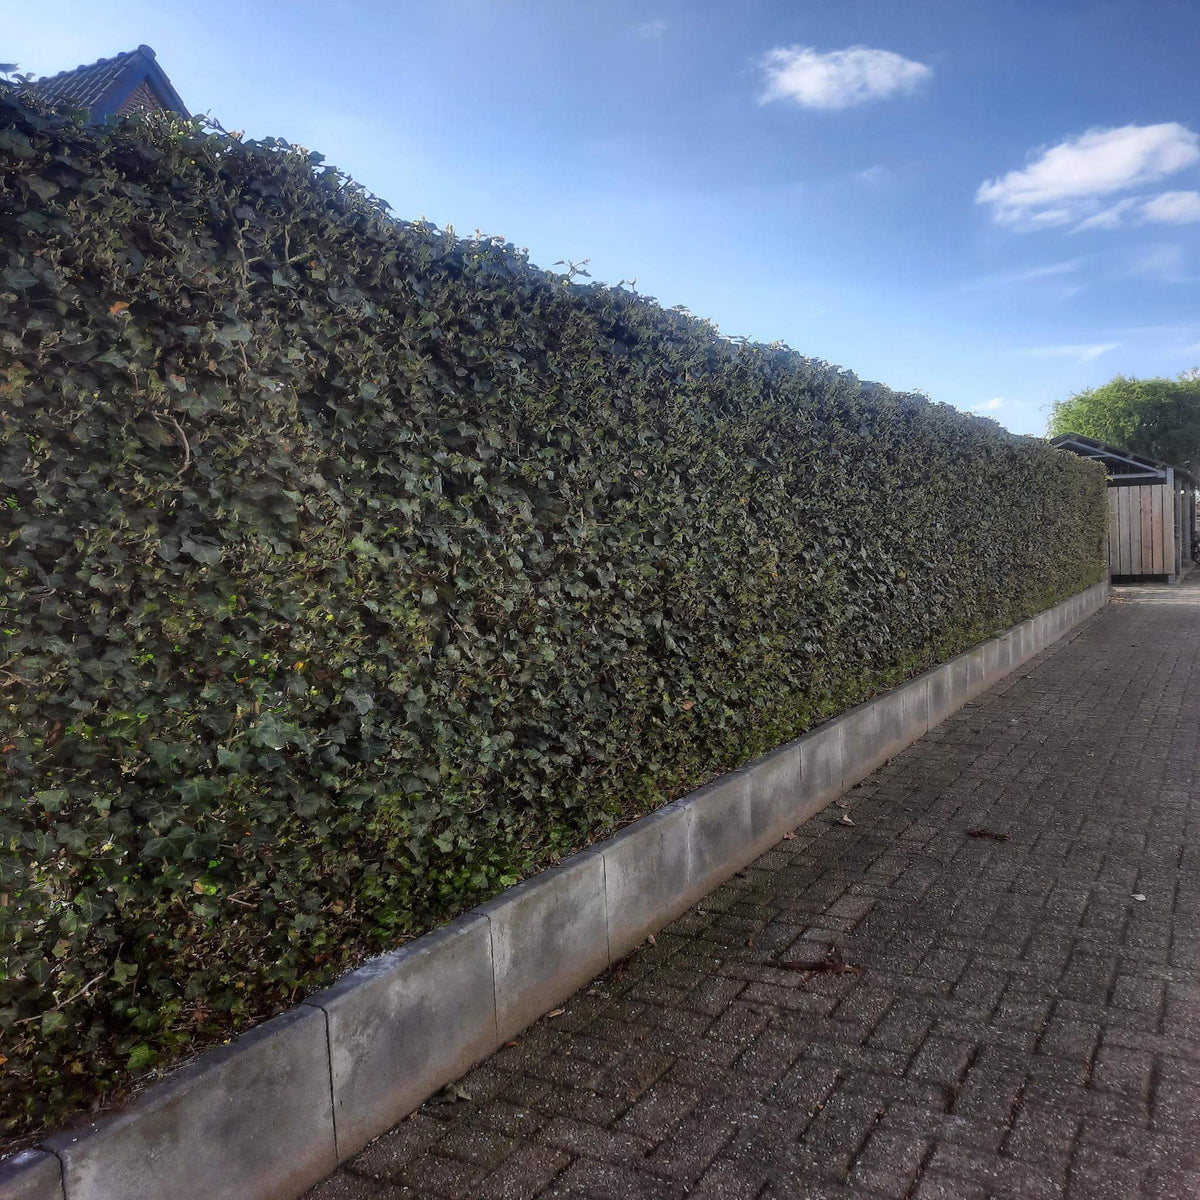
(833,963)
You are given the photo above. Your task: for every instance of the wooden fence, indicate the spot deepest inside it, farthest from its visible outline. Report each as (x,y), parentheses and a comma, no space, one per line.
(1141,530)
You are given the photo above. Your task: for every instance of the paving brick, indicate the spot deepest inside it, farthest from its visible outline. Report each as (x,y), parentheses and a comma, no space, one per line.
(1123,1070)
(342,1185)
(1099,1176)
(1015,1025)
(686,1152)
(1069,1039)
(941,1060)
(523,1174)
(609,1181)
(387,1156)
(890,1162)
(446,1177)
(482,1147)
(591,1139)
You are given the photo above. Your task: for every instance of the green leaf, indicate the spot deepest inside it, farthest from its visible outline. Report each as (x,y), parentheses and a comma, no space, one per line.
(52,1022)
(201,549)
(19,278)
(140,1057)
(199,790)
(44,189)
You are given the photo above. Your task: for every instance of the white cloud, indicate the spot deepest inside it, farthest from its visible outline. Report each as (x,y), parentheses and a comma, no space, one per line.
(1172,208)
(836,79)
(1080,353)
(1064,183)
(1164,208)
(1163,261)
(1107,218)
(989,405)
(652,29)
(1029,274)
(875,175)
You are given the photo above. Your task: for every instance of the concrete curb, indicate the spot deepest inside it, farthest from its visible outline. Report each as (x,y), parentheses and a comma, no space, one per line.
(272,1114)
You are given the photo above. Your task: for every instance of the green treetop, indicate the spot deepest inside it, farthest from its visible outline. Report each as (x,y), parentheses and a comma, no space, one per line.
(1158,417)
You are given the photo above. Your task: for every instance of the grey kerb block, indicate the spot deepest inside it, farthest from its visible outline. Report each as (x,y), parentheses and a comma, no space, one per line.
(646,877)
(31,1175)
(943,700)
(251,1120)
(1042,630)
(994,660)
(907,718)
(862,735)
(406,1024)
(962,680)
(977,680)
(720,834)
(1024,646)
(549,937)
(822,753)
(776,795)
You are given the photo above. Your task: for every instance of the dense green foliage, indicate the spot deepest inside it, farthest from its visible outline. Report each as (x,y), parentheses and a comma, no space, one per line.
(1157,417)
(352,571)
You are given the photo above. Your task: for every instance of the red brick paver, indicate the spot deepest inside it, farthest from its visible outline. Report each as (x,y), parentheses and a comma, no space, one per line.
(1017,1016)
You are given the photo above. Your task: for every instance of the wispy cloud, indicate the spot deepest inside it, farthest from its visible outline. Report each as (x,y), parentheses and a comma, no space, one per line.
(1107,218)
(652,29)
(989,405)
(874,175)
(1164,208)
(835,79)
(1052,270)
(1172,208)
(1065,184)
(1162,261)
(1080,353)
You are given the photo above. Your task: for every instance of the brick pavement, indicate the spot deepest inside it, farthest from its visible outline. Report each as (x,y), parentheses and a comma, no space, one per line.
(1015,1019)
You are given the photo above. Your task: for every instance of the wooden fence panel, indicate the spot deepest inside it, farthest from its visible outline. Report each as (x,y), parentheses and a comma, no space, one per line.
(1167,495)
(1123,522)
(1135,529)
(1114,543)
(1146,505)
(1158,559)
(1149,528)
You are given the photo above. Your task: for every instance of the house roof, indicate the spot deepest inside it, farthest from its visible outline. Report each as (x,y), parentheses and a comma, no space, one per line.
(1123,466)
(114,85)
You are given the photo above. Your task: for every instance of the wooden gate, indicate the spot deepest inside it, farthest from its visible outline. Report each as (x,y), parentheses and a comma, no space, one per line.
(1141,530)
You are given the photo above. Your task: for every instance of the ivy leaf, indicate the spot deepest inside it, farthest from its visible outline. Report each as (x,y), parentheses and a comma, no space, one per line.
(44,189)
(19,278)
(52,800)
(202,550)
(141,1057)
(52,1022)
(198,791)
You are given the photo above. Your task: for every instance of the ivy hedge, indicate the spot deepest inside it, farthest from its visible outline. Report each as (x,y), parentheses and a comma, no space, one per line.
(352,571)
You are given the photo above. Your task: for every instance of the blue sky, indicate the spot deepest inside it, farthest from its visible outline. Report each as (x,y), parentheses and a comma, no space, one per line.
(995,202)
